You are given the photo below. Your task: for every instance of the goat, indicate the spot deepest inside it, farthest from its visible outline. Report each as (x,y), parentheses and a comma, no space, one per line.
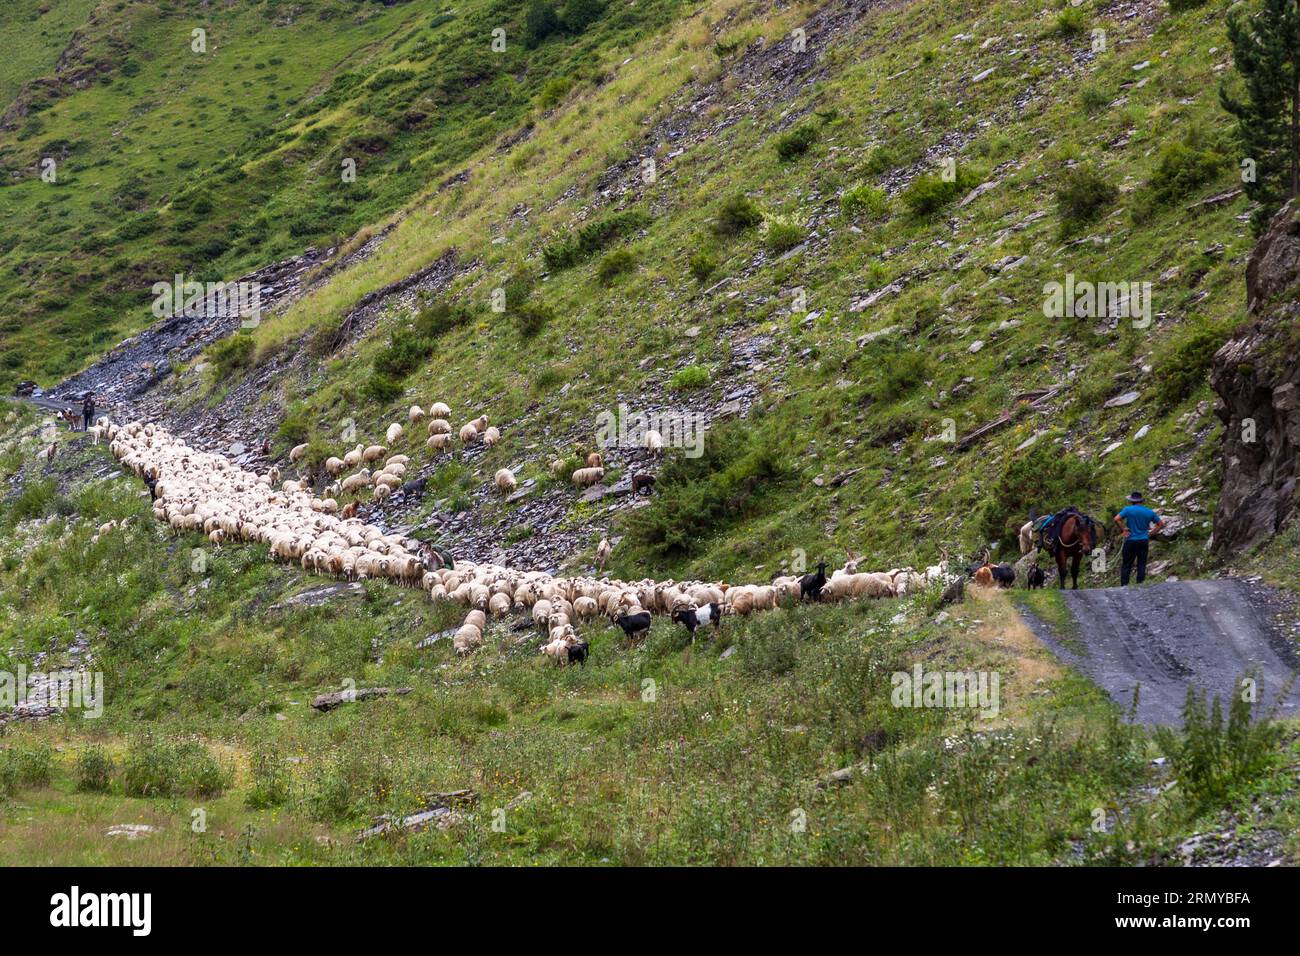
(813,583)
(642,483)
(632,624)
(1036,578)
(694,617)
(1003,574)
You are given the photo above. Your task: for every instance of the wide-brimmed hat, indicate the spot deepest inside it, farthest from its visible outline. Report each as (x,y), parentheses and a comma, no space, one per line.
(1134,497)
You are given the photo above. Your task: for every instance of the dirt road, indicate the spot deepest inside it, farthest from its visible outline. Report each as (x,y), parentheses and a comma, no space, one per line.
(1168,636)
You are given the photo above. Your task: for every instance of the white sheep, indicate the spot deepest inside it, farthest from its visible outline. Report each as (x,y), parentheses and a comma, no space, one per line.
(415,414)
(505,480)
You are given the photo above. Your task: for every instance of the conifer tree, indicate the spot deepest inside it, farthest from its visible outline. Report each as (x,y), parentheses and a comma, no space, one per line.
(1266,51)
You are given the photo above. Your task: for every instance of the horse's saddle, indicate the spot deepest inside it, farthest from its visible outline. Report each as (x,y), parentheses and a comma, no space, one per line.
(1050,531)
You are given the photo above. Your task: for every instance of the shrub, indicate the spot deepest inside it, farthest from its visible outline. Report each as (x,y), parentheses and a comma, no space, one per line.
(1070,22)
(1081,196)
(615,264)
(1183,166)
(540,22)
(1212,758)
(577,15)
(1042,479)
(1178,6)
(164,768)
(295,427)
(794,143)
(693,376)
(698,497)
(270,786)
(897,374)
(863,200)
(578,245)
(930,193)
(532,317)
(26,765)
(1094,99)
(93,770)
(1184,367)
(701,264)
(232,353)
(781,236)
(736,215)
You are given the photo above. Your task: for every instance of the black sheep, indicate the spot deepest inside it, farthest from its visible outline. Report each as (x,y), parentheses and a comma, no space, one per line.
(813,583)
(578,653)
(633,624)
(1004,575)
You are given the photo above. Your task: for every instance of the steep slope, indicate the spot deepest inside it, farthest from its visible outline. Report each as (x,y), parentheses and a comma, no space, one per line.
(886,334)
(212,141)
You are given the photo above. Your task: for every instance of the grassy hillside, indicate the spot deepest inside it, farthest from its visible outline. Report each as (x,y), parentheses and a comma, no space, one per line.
(798,239)
(212,163)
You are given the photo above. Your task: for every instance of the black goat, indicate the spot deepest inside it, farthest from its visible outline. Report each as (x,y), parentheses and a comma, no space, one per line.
(1036,578)
(633,624)
(1004,575)
(642,483)
(694,617)
(578,653)
(813,583)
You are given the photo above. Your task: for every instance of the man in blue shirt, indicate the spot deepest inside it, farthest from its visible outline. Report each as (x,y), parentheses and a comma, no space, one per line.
(1137,520)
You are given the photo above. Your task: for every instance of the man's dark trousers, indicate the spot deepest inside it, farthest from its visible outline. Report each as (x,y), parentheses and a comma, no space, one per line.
(1134,552)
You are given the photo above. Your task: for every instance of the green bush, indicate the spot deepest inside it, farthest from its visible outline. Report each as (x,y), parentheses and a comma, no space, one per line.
(271,780)
(696,498)
(701,264)
(1212,758)
(615,264)
(863,200)
(165,768)
(1081,196)
(26,765)
(540,22)
(794,143)
(1181,169)
(232,354)
(1044,479)
(295,428)
(94,769)
(532,317)
(896,374)
(1178,6)
(576,246)
(736,215)
(1071,22)
(693,376)
(1093,99)
(1183,367)
(930,193)
(782,236)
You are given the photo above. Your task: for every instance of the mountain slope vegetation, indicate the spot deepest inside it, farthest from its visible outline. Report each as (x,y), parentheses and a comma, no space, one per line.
(828,231)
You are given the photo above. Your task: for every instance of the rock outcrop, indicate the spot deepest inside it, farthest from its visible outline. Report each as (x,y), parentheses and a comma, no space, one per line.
(1257,377)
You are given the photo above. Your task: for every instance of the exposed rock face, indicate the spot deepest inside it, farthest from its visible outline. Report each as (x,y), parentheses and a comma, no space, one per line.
(1257,376)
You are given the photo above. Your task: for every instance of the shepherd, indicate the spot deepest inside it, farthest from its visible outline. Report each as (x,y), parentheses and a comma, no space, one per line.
(1137,520)
(88,410)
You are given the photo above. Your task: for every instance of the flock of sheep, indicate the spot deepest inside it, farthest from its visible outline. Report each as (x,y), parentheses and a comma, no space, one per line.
(205,492)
